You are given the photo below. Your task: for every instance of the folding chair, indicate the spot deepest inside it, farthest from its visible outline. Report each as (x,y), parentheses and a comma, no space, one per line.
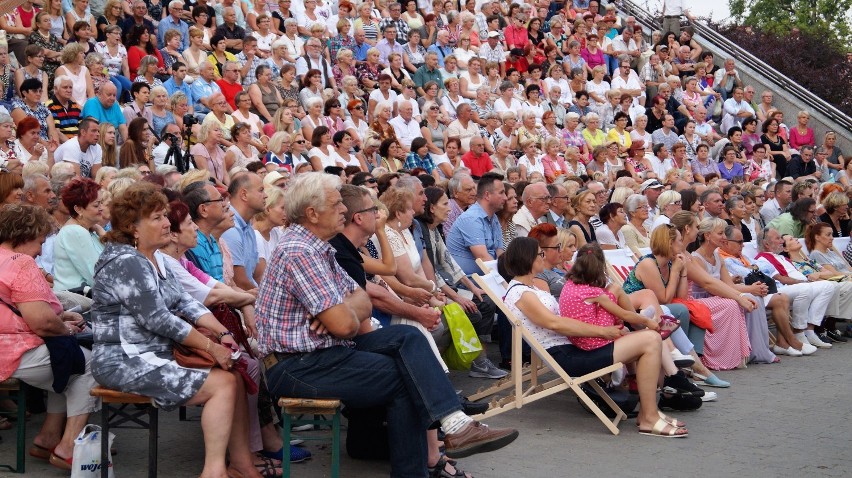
(840,244)
(542,362)
(619,263)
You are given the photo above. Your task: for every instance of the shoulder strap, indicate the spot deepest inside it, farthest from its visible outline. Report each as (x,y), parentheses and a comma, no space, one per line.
(512,287)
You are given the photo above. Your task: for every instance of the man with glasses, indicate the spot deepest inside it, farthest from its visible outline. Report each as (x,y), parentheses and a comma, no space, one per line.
(207,208)
(314,60)
(558,205)
(229,84)
(537,201)
(173,22)
(395,20)
(388,45)
(803,164)
(731,252)
(462,192)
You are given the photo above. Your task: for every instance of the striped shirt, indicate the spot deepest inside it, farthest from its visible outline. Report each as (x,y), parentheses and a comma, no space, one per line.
(65,119)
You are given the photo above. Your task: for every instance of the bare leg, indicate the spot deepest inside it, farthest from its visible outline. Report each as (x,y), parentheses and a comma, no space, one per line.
(51,431)
(218,395)
(73,427)
(434,452)
(271,437)
(780,306)
(667,362)
(645,348)
(242,458)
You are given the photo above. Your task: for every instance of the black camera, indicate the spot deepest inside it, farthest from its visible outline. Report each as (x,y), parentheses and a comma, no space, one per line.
(189,120)
(172,138)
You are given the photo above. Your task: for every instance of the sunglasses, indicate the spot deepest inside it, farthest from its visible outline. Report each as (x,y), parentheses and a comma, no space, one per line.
(301,141)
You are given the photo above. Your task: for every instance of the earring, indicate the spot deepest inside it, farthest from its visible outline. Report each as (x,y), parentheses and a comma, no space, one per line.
(135,242)
(399,224)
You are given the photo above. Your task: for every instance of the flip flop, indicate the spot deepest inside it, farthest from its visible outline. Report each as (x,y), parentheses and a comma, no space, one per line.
(659,430)
(670,420)
(40,452)
(59,462)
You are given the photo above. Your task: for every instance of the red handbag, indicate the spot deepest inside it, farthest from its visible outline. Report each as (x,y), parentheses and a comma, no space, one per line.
(699,313)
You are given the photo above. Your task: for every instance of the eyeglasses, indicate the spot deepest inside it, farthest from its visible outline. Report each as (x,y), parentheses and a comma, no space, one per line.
(301,141)
(558,247)
(541,254)
(221,200)
(735,241)
(560,197)
(359,107)
(369,209)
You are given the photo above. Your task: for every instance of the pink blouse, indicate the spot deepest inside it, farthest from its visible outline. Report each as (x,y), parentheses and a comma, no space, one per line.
(797,140)
(21,281)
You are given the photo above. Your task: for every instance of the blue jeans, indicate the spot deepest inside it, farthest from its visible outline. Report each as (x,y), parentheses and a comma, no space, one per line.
(393,367)
(122,84)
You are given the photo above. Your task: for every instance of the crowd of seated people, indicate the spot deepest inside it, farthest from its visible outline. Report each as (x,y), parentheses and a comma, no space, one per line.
(311,166)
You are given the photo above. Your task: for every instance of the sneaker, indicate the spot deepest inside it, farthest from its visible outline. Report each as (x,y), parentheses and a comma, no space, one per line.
(486,369)
(709,397)
(298,455)
(814,340)
(681,360)
(477,437)
(807,349)
(302,428)
(835,336)
(682,386)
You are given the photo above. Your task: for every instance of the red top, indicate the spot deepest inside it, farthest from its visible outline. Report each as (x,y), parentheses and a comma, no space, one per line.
(134,58)
(230,91)
(478,165)
(27,16)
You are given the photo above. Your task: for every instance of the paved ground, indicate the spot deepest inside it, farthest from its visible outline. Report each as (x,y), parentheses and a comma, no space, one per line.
(783,420)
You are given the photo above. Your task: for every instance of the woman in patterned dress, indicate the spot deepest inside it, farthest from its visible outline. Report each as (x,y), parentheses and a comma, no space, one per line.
(137,301)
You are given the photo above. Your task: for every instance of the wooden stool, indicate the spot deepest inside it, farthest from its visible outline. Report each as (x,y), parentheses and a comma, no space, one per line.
(139,405)
(19,397)
(306,406)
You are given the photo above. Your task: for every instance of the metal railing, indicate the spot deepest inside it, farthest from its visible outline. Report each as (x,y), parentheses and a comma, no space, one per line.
(781,82)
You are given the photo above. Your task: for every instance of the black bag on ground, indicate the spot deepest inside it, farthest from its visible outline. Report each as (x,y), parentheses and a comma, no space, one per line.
(623,398)
(367,433)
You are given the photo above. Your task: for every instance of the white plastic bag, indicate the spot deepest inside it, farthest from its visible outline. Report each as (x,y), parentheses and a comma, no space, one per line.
(87,453)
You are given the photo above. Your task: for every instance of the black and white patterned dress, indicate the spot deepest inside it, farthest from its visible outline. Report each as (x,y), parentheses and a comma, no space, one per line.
(135,322)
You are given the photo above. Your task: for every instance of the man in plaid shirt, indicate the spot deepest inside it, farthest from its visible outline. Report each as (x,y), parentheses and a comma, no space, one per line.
(315,333)
(395,20)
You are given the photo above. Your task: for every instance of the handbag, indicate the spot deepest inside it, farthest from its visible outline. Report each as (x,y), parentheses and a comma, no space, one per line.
(86,461)
(757,276)
(227,316)
(465,345)
(699,313)
(191,357)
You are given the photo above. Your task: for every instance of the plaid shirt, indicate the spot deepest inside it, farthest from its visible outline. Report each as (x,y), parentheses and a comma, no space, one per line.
(413,161)
(402,29)
(251,77)
(302,280)
(335,44)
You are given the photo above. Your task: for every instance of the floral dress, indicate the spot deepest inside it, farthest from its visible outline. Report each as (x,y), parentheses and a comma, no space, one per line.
(41,113)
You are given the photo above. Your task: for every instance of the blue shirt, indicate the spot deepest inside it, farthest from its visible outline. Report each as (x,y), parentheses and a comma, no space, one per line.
(361,51)
(94,109)
(442,52)
(167,24)
(202,89)
(172,88)
(474,228)
(208,255)
(243,245)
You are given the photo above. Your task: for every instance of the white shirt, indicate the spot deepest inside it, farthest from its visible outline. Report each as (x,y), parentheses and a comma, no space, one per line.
(501,106)
(69,151)
(632,83)
(455,129)
(661,167)
(732,109)
(406,131)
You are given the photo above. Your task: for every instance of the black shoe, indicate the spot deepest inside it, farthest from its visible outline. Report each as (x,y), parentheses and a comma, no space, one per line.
(824,337)
(835,336)
(681,403)
(473,408)
(682,386)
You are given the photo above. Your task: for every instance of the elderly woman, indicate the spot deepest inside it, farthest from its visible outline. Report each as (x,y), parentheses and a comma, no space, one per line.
(540,312)
(8,156)
(77,245)
(314,118)
(737,216)
(208,155)
(30,314)
(636,236)
(730,336)
(668,203)
(30,105)
(609,235)
(135,325)
(29,146)
(836,214)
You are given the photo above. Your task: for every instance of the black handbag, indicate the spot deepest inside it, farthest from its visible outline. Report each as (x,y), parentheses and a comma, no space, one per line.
(756,276)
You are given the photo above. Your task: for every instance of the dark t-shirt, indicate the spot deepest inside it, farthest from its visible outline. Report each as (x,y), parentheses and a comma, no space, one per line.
(349,259)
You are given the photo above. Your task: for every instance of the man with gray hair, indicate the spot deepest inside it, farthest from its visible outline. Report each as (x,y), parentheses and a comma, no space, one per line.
(231,23)
(174,22)
(462,191)
(463,128)
(554,103)
(314,60)
(429,72)
(537,201)
(404,125)
(395,20)
(313,323)
(229,84)
(65,112)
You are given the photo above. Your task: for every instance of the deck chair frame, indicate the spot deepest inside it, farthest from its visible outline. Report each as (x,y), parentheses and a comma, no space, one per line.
(526,383)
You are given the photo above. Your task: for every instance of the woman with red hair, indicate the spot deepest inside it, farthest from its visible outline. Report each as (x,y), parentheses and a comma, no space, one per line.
(28,146)
(78,245)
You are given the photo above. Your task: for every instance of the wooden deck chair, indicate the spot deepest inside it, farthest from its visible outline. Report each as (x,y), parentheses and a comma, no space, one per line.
(7,6)
(619,263)
(526,382)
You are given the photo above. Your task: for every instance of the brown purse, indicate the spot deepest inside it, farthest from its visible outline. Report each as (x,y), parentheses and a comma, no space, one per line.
(191,357)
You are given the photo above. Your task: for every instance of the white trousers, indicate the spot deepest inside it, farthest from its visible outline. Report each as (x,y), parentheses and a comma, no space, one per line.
(809,301)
